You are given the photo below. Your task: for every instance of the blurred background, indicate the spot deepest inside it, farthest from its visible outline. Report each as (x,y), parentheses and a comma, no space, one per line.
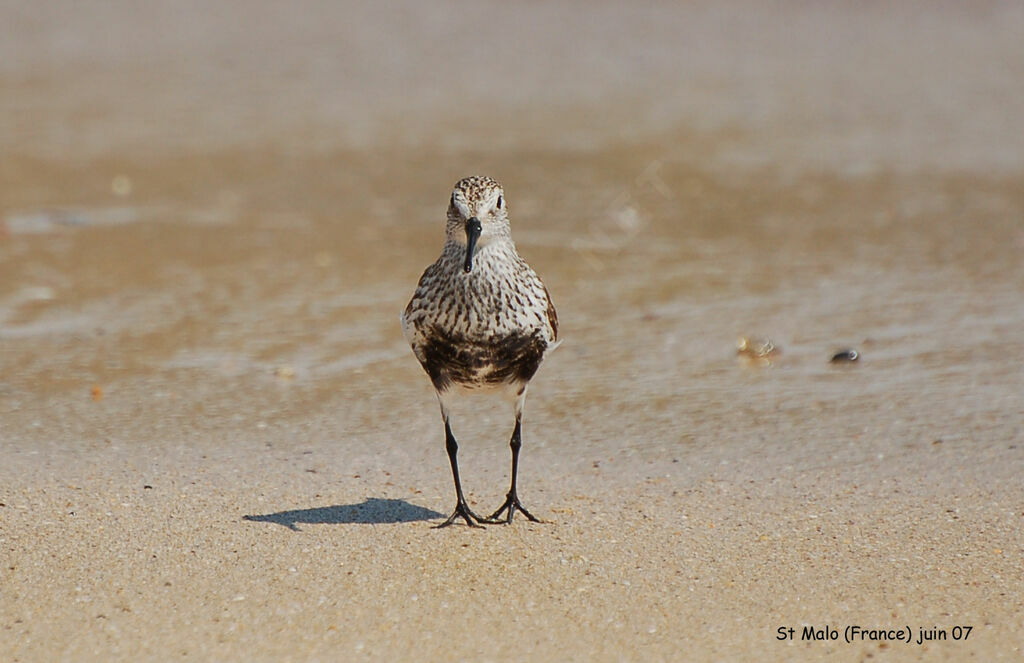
(211,215)
(851,86)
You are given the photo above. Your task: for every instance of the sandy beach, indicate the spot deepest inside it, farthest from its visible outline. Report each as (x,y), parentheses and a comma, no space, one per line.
(215,444)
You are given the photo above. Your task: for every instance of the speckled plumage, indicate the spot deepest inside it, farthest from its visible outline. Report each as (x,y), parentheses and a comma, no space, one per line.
(494,317)
(483,320)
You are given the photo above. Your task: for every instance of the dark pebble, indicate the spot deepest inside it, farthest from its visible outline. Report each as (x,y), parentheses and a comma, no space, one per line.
(845,356)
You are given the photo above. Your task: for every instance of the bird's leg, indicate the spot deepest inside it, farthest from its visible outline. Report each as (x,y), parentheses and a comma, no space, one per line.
(461,508)
(512,503)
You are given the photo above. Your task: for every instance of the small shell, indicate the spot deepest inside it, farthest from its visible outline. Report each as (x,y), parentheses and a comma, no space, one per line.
(756,348)
(845,356)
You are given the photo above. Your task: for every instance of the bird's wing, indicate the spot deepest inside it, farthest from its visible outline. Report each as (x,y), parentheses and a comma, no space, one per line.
(552,315)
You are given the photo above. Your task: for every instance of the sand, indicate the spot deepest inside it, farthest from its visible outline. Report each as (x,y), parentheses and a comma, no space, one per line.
(216,444)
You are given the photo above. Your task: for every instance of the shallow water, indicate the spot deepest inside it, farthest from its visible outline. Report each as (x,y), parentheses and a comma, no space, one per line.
(209,224)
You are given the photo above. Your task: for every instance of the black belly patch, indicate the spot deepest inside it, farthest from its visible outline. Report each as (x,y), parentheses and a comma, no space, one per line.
(451,358)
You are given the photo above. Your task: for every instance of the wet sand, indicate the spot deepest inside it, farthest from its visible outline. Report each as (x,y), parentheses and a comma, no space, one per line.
(217,446)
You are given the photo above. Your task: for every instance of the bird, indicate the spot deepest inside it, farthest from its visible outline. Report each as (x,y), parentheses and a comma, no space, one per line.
(480,320)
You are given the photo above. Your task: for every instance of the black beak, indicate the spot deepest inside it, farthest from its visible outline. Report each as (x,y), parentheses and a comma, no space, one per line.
(473,230)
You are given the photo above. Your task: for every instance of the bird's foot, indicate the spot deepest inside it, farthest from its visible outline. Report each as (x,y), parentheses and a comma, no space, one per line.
(511,505)
(463,511)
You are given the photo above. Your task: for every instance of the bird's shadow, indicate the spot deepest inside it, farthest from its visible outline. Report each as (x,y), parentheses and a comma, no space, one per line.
(372,511)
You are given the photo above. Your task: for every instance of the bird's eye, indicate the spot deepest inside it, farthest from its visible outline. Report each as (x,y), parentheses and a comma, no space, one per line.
(499,202)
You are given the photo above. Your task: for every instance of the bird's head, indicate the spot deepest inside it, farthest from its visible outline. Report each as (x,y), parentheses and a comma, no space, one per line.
(477,215)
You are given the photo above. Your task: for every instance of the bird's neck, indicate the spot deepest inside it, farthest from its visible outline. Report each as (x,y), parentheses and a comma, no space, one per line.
(486,248)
